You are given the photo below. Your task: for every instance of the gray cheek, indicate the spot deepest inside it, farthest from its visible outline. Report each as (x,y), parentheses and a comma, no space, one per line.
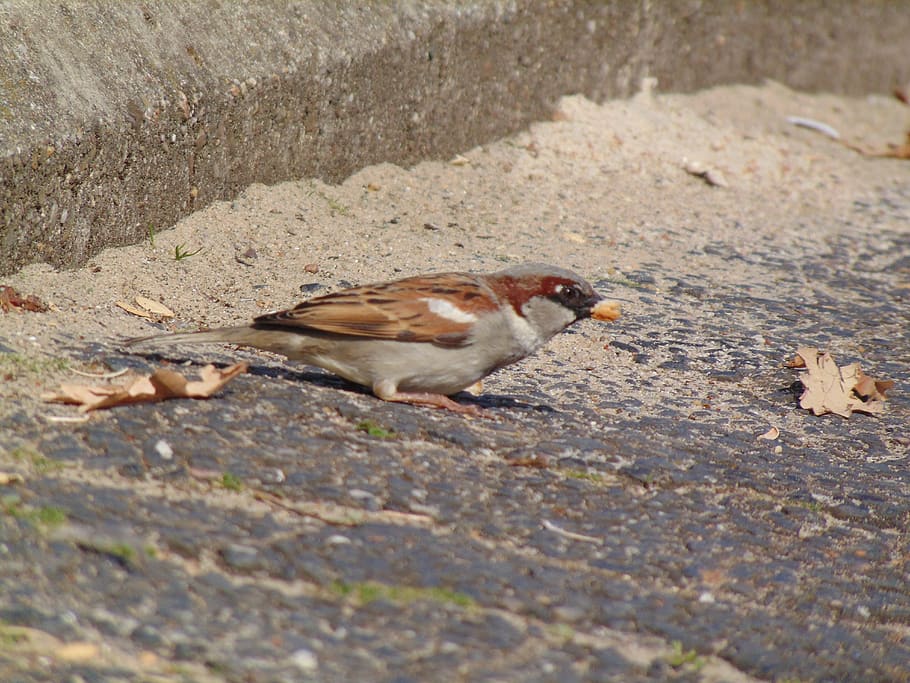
(547,317)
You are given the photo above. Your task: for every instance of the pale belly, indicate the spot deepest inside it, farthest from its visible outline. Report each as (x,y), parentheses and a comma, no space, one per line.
(411,367)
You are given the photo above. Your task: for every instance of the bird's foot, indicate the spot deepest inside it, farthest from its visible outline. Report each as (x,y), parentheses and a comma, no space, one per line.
(427,399)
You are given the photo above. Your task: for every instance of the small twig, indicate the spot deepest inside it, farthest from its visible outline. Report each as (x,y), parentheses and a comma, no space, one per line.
(67,418)
(340,515)
(549,526)
(817,126)
(106,375)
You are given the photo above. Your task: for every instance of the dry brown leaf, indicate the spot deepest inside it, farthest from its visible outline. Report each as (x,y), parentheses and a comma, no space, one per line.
(160,386)
(155,307)
(839,390)
(10,299)
(129,308)
(828,387)
(147,308)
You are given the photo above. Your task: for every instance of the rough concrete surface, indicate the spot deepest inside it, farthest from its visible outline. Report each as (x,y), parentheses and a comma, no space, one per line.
(120,117)
(614,517)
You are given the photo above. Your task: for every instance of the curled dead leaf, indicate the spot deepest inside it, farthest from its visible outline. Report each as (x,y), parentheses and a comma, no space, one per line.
(160,386)
(830,388)
(11,299)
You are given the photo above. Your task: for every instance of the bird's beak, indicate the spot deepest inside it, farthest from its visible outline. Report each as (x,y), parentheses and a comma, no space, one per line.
(584,311)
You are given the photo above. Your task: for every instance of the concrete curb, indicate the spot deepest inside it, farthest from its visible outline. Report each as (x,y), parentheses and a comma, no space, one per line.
(118,117)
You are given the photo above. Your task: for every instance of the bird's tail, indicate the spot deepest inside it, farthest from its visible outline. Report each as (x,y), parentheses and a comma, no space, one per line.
(231,335)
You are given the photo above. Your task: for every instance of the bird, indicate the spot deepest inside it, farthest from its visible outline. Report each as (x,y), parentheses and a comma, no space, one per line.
(420,339)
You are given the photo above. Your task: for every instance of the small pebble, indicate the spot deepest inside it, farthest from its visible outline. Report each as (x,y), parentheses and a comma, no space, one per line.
(305,660)
(163,448)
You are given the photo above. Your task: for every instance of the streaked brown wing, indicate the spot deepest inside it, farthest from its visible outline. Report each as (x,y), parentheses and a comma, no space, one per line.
(398,310)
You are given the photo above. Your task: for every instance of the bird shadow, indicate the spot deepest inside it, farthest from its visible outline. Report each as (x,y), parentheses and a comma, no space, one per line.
(508,402)
(327,380)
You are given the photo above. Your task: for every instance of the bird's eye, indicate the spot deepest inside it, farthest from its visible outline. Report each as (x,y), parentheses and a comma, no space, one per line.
(570,295)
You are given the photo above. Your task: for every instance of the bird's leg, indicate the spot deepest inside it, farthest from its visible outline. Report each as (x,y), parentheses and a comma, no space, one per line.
(388,392)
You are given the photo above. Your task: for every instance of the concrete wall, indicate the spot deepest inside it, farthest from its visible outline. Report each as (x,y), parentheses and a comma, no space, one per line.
(117,116)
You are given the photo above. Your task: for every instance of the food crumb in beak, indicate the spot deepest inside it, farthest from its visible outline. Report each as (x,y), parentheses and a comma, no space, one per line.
(606,310)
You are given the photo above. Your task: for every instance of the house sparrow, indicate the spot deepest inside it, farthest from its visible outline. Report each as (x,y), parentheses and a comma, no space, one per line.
(419,339)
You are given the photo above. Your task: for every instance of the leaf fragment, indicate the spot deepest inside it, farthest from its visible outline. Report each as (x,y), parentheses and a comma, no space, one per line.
(712,176)
(872,389)
(475,389)
(770,435)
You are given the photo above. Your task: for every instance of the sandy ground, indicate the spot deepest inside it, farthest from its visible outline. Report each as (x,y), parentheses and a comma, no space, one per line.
(600,189)
(806,242)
